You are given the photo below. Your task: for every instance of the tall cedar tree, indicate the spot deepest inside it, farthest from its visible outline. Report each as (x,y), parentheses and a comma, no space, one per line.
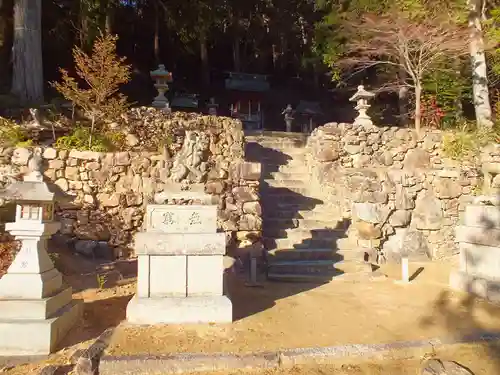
(102,72)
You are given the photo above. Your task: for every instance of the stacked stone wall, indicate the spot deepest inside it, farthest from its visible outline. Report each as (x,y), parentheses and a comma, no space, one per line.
(401,192)
(102,196)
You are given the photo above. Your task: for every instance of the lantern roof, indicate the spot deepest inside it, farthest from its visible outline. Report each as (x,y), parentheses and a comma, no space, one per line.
(361,94)
(28,191)
(161,72)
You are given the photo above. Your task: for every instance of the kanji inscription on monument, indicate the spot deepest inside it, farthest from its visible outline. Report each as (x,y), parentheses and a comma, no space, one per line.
(181,219)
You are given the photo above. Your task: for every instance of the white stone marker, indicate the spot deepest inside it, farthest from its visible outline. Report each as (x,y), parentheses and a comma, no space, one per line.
(405,272)
(180,267)
(479,242)
(36,310)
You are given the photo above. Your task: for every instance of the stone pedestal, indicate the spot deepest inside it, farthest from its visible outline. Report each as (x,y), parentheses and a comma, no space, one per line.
(180,267)
(479,240)
(36,310)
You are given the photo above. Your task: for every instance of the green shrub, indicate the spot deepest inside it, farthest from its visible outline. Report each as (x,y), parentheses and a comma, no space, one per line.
(79,140)
(166,141)
(12,134)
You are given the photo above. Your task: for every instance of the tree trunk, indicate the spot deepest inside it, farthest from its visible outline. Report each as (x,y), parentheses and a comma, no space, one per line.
(418,100)
(205,69)
(284,53)
(105,16)
(275,57)
(7,33)
(236,54)
(157,34)
(479,69)
(108,21)
(27,80)
(315,72)
(403,94)
(84,30)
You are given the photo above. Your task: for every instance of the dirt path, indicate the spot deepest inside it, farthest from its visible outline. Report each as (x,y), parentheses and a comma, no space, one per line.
(282,315)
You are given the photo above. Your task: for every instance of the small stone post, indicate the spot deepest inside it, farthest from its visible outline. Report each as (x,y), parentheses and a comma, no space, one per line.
(405,270)
(361,97)
(162,77)
(36,309)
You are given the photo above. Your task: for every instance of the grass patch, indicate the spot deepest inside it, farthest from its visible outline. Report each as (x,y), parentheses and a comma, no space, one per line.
(467,141)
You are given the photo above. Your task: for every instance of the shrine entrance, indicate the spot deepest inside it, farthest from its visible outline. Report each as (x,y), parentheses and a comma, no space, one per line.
(248,96)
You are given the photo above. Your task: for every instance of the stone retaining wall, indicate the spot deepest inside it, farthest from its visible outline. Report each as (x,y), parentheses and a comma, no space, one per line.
(402,194)
(102,196)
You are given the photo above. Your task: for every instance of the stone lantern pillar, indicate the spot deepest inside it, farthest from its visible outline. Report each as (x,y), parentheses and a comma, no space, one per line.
(361,97)
(162,78)
(36,310)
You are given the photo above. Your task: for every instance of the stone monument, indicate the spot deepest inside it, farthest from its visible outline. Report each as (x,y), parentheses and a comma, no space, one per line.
(36,309)
(162,77)
(180,267)
(479,241)
(361,97)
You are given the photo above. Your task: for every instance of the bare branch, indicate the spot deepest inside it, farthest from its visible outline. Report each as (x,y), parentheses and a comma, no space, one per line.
(393,39)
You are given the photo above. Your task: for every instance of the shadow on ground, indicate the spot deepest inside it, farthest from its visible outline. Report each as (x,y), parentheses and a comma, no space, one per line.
(98,316)
(460,313)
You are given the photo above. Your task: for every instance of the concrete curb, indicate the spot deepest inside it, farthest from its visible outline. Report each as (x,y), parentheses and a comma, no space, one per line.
(181,363)
(198,362)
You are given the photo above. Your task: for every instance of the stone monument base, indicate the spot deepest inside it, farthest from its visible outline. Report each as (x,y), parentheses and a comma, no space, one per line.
(182,310)
(476,284)
(33,336)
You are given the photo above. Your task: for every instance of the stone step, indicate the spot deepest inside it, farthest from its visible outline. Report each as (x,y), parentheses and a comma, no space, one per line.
(285,183)
(300,234)
(277,139)
(341,243)
(256,149)
(300,223)
(270,205)
(272,134)
(289,198)
(294,174)
(292,161)
(276,144)
(293,166)
(320,212)
(271,190)
(315,270)
(315,254)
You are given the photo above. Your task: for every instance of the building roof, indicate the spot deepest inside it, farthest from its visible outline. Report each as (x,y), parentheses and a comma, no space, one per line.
(309,108)
(247,82)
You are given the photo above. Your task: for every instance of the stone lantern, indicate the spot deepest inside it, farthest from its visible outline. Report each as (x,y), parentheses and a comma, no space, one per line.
(212,107)
(361,97)
(162,78)
(36,310)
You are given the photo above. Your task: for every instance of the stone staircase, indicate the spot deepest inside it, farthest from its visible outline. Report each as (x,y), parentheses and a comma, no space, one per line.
(304,238)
